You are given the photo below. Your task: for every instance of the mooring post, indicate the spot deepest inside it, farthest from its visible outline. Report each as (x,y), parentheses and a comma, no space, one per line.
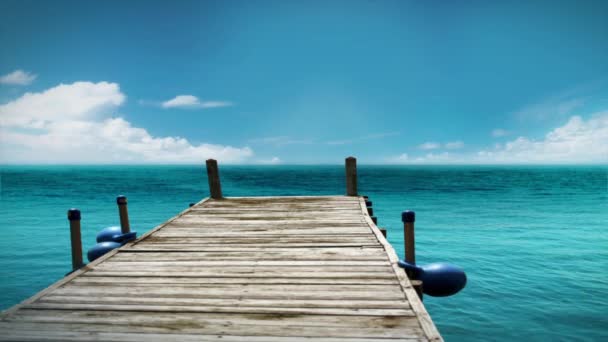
(124,214)
(409,217)
(213,174)
(75,239)
(351,176)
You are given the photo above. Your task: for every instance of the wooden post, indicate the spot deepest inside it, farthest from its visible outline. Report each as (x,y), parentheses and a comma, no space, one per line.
(123,213)
(213,174)
(383,231)
(351,176)
(74,217)
(408,218)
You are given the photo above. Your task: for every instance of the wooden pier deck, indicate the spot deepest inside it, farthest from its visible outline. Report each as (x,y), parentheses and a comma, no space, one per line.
(237,269)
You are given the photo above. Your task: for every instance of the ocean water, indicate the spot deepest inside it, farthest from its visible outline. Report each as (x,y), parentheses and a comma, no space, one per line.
(533,240)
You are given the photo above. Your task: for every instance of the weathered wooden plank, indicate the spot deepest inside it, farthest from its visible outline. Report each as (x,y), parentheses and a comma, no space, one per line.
(272,239)
(221,309)
(160,247)
(311,290)
(189,326)
(214,232)
(201,319)
(236,274)
(128,279)
(226,302)
(211,293)
(259,254)
(247,263)
(30,334)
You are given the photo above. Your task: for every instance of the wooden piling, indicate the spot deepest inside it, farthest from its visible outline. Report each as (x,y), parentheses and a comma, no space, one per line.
(123,213)
(408,218)
(351,176)
(75,238)
(213,174)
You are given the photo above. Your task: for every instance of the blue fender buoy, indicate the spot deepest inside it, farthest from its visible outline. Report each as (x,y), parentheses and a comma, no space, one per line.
(114,234)
(438,279)
(101,249)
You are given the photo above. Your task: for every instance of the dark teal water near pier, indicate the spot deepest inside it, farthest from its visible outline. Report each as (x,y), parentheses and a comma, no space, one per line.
(533,240)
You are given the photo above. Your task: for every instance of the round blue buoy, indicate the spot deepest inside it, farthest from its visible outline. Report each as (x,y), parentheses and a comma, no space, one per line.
(442,279)
(109,234)
(114,234)
(101,249)
(438,279)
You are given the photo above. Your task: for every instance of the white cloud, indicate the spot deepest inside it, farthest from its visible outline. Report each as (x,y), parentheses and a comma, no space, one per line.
(499,132)
(18,77)
(577,141)
(271,161)
(65,102)
(190,101)
(70,124)
(454,145)
(429,146)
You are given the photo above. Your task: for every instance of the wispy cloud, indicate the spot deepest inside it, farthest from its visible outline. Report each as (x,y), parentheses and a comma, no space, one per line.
(192,102)
(499,132)
(429,145)
(558,105)
(271,161)
(373,136)
(18,77)
(280,141)
(400,159)
(72,123)
(432,145)
(454,145)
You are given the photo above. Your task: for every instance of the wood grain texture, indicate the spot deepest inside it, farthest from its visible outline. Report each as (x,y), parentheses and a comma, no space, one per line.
(247,268)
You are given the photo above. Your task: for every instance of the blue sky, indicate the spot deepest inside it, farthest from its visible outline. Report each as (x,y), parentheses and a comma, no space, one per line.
(304,82)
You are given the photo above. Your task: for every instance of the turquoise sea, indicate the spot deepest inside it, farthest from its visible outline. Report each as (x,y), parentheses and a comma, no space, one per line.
(533,240)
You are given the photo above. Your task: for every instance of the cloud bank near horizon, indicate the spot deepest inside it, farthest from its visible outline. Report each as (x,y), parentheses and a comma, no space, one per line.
(73,123)
(578,141)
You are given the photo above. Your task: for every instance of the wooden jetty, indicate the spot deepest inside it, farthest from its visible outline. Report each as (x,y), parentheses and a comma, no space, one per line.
(237,269)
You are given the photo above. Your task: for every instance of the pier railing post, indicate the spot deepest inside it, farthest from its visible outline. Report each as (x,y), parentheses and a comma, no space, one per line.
(123,213)
(213,174)
(408,218)
(351,176)
(75,238)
